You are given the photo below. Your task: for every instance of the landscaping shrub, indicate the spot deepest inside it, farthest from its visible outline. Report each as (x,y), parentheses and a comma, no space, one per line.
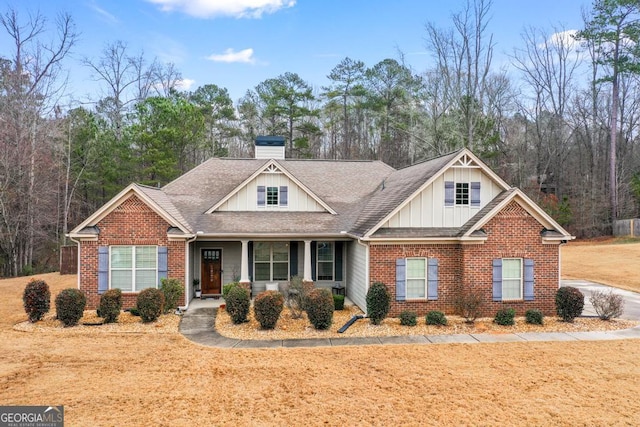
(295,295)
(70,305)
(238,303)
(338,302)
(505,317)
(569,303)
(36,299)
(607,304)
(378,303)
(267,308)
(227,287)
(134,311)
(172,290)
(534,317)
(319,306)
(469,306)
(436,318)
(110,305)
(150,304)
(408,318)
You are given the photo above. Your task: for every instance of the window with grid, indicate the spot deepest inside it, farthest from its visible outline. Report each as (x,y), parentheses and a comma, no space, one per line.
(325,261)
(133,268)
(511,278)
(272,196)
(462,193)
(416,278)
(271,261)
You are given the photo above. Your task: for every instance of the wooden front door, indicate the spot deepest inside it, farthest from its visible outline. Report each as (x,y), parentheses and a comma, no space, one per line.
(211,271)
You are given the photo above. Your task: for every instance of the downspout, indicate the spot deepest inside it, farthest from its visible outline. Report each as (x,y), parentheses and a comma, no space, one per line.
(187,269)
(77,242)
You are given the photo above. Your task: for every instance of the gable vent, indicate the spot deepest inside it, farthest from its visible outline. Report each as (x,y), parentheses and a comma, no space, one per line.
(269,147)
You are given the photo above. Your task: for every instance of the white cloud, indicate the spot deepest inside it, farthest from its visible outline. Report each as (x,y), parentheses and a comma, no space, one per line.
(106,16)
(229,55)
(564,39)
(232,8)
(185,84)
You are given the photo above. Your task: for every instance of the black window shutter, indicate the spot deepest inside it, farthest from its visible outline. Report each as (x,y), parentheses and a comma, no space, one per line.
(250,260)
(293,259)
(338,260)
(314,250)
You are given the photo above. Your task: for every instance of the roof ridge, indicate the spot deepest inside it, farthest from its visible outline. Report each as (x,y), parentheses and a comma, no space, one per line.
(433,158)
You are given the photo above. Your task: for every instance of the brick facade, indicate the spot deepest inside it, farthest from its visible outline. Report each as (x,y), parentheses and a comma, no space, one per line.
(131,223)
(511,233)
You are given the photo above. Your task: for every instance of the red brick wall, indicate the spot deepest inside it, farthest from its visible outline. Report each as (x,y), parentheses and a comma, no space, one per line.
(131,223)
(511,233)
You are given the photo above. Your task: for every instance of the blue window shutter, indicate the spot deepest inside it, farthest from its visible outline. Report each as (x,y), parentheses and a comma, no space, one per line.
(475,194)
(401,279)
(338,260)
(103,269)
(293,259)
(262,195)
(284,195)
(449,193)
(162,264)
(432,279)
(497,279)
(314,251)
(528,279)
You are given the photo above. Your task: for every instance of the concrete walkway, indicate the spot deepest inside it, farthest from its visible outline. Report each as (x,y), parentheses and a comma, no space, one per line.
(198,322)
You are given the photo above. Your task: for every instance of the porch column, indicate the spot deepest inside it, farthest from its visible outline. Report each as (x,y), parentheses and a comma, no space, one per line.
(244,262)
(307,261)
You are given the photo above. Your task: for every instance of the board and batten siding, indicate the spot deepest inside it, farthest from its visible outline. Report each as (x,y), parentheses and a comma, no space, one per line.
(247,198)
(427,208)
(356,284)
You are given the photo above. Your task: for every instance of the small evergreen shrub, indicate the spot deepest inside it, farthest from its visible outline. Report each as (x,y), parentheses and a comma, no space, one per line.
(607,304)
(150,304)
(338,302)
(238,303)
(227,287)
(267,308)
(134,311)
(378,303)
(110,305)
(70,305)
(435,317)
(408,318)
(569,303)
(469,306)
(36,299)
(319,306)
(505,317)
(172,290)
(534,317)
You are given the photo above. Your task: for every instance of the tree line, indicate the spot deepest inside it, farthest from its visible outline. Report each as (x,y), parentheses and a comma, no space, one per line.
(560,122)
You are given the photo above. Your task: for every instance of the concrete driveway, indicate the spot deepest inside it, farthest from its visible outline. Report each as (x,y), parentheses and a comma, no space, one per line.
(631,299)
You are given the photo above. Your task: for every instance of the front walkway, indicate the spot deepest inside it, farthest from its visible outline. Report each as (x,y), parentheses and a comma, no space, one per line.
(198,325)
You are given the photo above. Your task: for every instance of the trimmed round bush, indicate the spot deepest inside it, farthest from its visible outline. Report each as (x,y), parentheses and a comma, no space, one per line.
(172,290)
(319,306)
(227,287)
(378,303)
(435,317)
(267,308)
(150,304)
(534,317)
(238,303)
(110,305)
(505,317)
(36,299)
(569,303)
(70,305)
(338,302)
(408,318)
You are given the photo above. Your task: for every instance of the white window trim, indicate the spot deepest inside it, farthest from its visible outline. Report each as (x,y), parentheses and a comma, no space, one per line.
(333,261)
(271,262)
(424,278)
(521,278)
(133,268)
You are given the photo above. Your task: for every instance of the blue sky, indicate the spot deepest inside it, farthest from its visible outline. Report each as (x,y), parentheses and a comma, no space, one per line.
(239,43)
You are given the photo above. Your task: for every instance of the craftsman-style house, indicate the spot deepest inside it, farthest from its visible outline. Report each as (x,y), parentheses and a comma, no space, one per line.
(430,232)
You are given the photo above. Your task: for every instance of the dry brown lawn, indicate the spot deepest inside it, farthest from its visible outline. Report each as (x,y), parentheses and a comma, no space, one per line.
(106,379)
(614,262)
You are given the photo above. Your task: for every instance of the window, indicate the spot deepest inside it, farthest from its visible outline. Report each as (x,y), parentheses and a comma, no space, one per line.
(511,279)
(133,268)
(462,193)
(271,261)
(273,196)
(325,261)
(416,277)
